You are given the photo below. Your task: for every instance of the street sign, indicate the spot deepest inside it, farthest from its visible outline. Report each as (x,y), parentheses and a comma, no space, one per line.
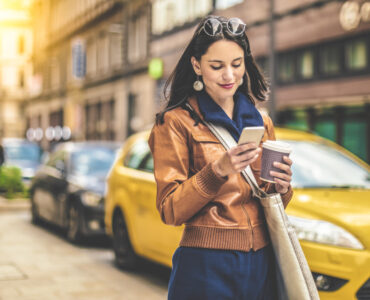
(155,68)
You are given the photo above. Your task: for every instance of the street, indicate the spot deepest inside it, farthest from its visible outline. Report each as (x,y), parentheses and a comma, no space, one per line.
(36,262)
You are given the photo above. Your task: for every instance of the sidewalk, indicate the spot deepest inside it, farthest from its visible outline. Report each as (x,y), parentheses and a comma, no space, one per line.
(7,205)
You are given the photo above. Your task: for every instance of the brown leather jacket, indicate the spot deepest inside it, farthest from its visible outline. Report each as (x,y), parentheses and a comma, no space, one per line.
(218,213)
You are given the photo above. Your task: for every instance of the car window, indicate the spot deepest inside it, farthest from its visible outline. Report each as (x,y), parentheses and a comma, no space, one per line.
(147,163)
(137,154)
(319,165)
(19,151)
(91,161)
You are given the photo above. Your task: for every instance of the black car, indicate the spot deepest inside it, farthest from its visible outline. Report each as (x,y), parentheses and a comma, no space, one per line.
(23,154)
(68,190)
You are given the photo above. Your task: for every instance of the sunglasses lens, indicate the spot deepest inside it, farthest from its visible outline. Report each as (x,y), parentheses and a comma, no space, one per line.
(235,26)
(212,27)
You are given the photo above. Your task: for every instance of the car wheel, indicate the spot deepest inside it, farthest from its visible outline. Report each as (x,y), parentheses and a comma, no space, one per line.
(74,229)
(35,218)
(125,256)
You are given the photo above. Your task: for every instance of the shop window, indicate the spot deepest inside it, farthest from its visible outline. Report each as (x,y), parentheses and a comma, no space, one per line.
(326,129)
(330,60)
(263,64)
(306,64)
(296,119)
(354,137)
(286,68)
(356,55)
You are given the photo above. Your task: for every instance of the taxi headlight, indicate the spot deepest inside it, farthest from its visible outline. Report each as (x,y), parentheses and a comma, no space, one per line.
(323,232)
(91,199)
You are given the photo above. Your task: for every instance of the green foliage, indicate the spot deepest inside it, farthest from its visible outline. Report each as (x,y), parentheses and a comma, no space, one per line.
(11,182)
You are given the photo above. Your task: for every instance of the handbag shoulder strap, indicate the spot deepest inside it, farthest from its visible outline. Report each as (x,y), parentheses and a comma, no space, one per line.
(226,139)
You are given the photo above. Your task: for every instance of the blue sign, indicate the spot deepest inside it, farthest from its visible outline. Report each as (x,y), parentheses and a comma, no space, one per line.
(78,59)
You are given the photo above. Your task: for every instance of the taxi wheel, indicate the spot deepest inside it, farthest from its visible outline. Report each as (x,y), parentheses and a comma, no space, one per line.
(125,256)
(73,229)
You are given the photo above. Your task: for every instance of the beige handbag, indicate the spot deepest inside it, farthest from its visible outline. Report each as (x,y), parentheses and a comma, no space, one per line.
(294,278)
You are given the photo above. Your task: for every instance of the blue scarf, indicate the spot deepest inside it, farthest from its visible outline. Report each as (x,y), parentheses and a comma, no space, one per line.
(245,113)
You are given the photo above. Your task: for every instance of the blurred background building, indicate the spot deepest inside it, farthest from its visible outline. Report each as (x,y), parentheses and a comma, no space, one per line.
(99,66)
(15,64)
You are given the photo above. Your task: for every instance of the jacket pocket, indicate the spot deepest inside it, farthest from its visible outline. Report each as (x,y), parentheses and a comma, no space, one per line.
(206,148)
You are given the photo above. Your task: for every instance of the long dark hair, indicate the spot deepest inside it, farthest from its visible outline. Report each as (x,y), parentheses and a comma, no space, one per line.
(182,78)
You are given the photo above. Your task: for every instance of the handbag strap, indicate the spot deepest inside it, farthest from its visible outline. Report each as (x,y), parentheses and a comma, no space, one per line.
(226,139)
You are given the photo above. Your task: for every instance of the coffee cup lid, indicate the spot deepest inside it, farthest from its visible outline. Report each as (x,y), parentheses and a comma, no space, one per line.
(277,146)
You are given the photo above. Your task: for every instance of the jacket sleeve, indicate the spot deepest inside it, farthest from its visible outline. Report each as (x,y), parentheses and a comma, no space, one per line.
(270,187)
(179,197)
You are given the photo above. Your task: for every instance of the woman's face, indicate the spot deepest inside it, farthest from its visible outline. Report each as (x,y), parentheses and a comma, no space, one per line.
(222,68)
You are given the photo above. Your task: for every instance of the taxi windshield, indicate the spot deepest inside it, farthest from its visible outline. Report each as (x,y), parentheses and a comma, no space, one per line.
(319,165)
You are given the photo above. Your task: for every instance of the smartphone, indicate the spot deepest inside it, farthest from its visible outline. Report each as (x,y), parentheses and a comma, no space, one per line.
(251,135)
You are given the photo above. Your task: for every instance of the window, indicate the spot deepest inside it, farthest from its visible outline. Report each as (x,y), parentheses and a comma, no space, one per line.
(92,161)
(326,128)
(21,44)
(223,4)
(168,14)
(330,60)
(138,38)
(356,55)
(91,58)
(21,78)
(286,68)
(148,163)
(9,76)
(137,154)
(263,64)
(103,53)
(317,164)
(354,136)
(115,50)
(305,66)
(54,74)
(93,121)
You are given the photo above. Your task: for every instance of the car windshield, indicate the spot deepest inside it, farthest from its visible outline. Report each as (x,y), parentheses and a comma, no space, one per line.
(22,152)
(92,161)
(318,165)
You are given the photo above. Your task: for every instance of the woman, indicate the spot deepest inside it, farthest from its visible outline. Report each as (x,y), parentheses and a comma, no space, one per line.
(224,252)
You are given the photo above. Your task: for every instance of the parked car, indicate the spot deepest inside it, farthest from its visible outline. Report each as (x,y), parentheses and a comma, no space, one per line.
(23,154)
(330,211)
(68,190)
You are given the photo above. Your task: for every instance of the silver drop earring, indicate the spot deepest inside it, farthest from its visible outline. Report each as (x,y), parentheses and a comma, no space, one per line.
(198,85)
(241,81)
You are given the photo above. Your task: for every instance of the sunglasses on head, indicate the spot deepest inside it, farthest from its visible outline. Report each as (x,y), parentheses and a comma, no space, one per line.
(213,26)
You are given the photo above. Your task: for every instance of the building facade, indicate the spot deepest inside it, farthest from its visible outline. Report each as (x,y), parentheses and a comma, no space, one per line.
(15,66)
(322,58)
(90,62)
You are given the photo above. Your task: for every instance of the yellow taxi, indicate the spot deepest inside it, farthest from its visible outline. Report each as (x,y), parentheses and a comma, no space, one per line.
(330,211)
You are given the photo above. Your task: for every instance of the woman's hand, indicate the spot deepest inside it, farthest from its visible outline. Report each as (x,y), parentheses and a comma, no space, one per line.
(283,178)
(236,159)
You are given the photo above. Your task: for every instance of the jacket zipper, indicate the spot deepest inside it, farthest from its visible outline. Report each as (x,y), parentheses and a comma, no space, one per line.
(246,213)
